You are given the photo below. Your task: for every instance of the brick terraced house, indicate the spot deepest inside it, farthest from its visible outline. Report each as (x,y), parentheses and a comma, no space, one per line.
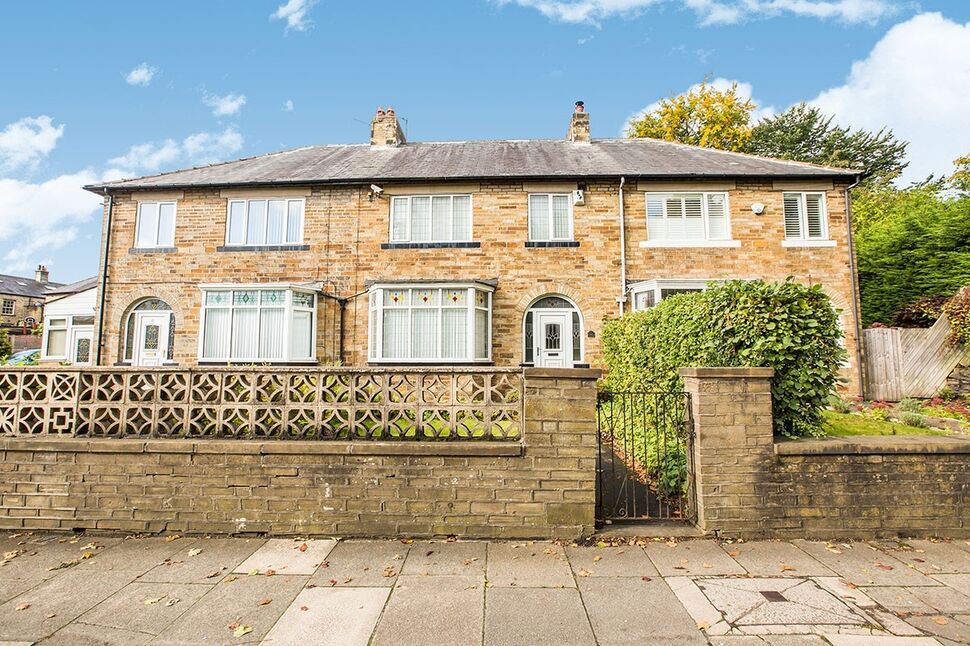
(22,306)
(461,253)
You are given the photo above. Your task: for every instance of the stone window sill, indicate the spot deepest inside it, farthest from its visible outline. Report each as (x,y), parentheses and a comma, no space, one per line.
(152,250)
(264,248)
(536,244)
(678,244)
(431,245)
(807,243)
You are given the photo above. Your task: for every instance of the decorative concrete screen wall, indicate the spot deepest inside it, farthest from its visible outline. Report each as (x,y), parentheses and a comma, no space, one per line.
(470,452)
(750,485)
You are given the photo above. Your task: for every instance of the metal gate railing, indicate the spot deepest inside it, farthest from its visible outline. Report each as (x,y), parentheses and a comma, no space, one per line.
(645,469)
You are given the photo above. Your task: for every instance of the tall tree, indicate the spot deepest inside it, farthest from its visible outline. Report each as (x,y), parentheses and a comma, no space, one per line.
(703,116)
(960,179)
(805,133)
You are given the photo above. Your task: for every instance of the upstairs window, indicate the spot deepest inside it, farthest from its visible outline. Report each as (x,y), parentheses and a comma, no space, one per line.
(805,217)
(430,323)
(687,216)
(550,217)
(265,222)
(431,218)
(156,225)
(258,324)
(8,307)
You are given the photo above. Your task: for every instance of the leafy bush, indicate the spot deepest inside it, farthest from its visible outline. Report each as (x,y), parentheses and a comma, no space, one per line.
(787,326)
(912,419)
(6,345)
(909,405)
(957,311)
(839,405)
(920,313)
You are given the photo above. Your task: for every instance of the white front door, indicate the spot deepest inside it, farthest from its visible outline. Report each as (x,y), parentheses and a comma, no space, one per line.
(151,338)
(553,337)
(79,350)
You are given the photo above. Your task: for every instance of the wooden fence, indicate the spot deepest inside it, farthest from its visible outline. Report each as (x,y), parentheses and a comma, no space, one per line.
(903,362)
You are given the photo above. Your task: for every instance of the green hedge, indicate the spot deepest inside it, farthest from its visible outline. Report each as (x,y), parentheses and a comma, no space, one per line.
(787,326)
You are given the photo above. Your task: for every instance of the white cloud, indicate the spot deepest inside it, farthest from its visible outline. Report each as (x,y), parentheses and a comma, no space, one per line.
(288,105)
(198,148)
(711,11)
(745,91)
(141,75)
(27,141)
(294,12)
(916,81)
(224,106)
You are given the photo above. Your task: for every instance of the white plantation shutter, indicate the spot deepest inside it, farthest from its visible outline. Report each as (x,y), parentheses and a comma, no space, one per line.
(813,215)
(693,217)
(793,215)
(675,218)
(717,221)
(656,226)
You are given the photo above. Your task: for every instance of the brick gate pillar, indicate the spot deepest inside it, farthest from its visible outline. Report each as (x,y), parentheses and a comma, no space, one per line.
(733,445)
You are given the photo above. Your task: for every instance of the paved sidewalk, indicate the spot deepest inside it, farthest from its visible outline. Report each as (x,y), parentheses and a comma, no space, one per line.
(87,590)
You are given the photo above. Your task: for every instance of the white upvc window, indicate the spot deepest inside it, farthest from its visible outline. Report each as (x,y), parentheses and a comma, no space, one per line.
(156,225)
(550,217)
(254,323)
(688,220)
(806,219)
(431,218)
(55,338)
(265,222)
(430,323)
(649,293)
(9,307)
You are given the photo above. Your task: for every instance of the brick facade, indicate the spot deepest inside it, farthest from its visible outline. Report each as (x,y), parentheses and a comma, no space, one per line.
(541,487)
(346,226)
(749,485)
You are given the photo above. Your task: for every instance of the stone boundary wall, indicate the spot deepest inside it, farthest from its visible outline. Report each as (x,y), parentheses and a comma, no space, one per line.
(543,486)
(749,485)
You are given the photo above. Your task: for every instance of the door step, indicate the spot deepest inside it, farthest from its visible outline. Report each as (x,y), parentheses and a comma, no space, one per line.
(650,529)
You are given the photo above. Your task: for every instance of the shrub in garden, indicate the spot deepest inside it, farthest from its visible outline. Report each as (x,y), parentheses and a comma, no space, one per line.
(909,405)
(912,419)
(839,405)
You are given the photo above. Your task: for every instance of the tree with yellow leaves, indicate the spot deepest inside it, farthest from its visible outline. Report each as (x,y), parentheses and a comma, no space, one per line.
(703,116)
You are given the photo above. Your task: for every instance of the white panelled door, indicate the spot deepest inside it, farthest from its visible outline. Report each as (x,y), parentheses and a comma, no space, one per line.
(151,338)
(553,336)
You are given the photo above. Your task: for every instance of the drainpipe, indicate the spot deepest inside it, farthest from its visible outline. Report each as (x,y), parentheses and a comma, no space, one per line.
(854,282)
(104,277)
(622,297)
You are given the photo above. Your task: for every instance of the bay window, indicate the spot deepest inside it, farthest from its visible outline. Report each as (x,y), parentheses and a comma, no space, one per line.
(431,218)
(272,222)
(430,323)
(257,323)
(649,293)
(688,219)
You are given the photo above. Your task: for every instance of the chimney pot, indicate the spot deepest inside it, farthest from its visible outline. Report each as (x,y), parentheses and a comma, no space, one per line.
(579,124)
(580,106)
(385,130)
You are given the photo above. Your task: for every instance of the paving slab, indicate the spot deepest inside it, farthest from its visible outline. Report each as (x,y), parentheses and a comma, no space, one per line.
(934,557)
(959,582)
(87,635)
(953,628)
(234,600)
(629,610)
(701,558)
(217,558)
(698,606)
(362,563)
(920,599)
(39,555)
(628,560)
(66,596)
(430,610)
(776,601)
(775,558)
(879,640)
(446,558)
(288,556)
(145,607)
(329,617)
(794,640)
(516,616)
(863,565)
(141,554)
(537,565)
(10,588)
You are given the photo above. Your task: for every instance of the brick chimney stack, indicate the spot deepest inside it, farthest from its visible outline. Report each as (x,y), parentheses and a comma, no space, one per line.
(41,275)
(385,130)
(579,126)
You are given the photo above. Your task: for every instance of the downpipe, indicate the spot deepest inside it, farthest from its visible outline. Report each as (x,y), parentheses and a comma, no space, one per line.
(104,277)
(621,299)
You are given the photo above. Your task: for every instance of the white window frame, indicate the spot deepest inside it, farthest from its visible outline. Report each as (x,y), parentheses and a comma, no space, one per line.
(12,309)
(706,241)
(158,223)
(376,308)
(802,239)
(288,309)
(657,285)
(48,326)
(286,221)
(409,238)
(549,215)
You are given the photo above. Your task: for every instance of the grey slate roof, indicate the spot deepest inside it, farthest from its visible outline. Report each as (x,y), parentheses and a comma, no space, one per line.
(75,288)
(538,159)
(20,286)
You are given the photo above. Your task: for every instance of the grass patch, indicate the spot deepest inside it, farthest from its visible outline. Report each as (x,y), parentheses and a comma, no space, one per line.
(839,424)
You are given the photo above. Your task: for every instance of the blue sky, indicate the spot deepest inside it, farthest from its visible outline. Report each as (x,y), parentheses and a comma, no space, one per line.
(131,88)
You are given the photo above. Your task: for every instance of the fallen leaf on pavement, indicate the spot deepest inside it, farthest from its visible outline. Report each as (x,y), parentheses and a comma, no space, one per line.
(389,572)
(787,568)
(63,564)
(303,547)
(646,578)
(734,553)
(171,602)
(212,574)
(270,572)
(22,606)
(242,630)
(936,620)
(91,546)
(584,572)
(173,537)
(548,550)
(884,567)
(253,572)
(304,608)
(265,601)
(597,558)
(87,555)
(51,615)
(195,552)
(152,600)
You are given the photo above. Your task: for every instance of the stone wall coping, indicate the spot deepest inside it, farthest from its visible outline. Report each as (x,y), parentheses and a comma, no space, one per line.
(282,447)
(563,373)
(727,373)
(316,369)
(873,445)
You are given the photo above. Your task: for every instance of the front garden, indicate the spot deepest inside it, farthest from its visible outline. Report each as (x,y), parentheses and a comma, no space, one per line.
(944,414)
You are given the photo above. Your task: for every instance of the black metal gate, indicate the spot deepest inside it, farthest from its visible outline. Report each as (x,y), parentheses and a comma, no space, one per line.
(646,466)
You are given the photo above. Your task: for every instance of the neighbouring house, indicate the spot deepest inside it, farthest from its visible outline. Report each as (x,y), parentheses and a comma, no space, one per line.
(456,253)
(22,306)
(69,323)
